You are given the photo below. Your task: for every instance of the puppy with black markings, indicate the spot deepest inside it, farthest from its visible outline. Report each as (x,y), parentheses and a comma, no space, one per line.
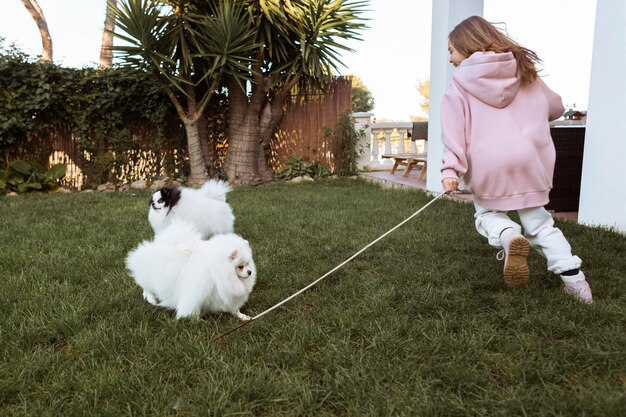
(205,208)
(180,271)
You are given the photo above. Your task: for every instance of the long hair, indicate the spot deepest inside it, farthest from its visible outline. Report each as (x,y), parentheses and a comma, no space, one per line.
(476,34)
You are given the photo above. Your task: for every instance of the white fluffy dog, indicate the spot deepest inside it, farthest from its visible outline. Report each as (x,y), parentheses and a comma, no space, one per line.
(204,207)
(178,270)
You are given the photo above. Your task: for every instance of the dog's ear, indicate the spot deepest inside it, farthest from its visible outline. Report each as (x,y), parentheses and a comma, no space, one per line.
(233,255)
(170,196)
(173,195)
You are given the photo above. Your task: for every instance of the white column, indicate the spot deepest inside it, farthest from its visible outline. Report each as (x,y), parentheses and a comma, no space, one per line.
(603,187)
(375,151)
(446,15)
(362,122)
(388,140)
(401,143)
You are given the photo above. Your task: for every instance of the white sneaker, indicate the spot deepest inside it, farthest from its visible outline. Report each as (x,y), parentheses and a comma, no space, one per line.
(578,286)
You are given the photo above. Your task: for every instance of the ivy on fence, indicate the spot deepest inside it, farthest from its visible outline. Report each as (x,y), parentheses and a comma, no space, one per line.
(103,120)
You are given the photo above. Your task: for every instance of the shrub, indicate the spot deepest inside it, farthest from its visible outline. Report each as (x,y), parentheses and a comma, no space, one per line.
(345,140)
(296,166)
(319,170)
(98,118)
(23,176)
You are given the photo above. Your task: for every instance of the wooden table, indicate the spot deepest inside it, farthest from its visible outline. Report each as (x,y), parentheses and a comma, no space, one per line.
(409,160)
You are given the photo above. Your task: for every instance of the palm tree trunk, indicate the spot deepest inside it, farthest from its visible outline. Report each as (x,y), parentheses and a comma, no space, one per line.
(271,116)
(243,139)
(106,55)
(243,149)
(198,172)
(208,150)
(46,40)
(191,118)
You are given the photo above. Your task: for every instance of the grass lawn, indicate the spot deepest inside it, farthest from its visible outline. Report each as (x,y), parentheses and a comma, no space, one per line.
(421,324)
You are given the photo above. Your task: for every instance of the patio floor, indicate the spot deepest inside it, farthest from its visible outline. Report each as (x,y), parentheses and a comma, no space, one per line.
(387,179)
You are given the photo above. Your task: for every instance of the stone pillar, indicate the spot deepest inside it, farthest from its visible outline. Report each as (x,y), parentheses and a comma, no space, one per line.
(362,122)
(388,140)
(401,141)
(446,15)
(603,187)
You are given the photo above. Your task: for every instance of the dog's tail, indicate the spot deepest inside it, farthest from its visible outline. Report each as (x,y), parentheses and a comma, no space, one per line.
(216,189)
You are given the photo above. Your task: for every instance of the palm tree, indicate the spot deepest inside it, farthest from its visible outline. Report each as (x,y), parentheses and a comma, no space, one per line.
(258,50)
(298,43)
(189,53)
(46,40)
(106,55)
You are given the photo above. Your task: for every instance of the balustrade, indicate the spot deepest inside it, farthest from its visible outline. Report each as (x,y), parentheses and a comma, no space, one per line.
(385,138)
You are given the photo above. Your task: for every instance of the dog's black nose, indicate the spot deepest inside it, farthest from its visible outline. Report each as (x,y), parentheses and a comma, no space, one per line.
(249,272)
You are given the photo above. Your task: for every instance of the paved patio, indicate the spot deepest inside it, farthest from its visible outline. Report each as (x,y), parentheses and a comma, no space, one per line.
(387,179)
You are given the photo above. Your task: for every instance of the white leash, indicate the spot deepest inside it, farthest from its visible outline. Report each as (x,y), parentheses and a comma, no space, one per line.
(294,295)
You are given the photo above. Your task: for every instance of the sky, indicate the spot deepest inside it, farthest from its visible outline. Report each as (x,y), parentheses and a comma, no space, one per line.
(392,58)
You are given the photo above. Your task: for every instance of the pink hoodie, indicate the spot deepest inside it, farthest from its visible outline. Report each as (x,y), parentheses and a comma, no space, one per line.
(497,134)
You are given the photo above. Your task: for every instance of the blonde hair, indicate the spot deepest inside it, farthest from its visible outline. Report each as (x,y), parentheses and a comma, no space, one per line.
(476,34)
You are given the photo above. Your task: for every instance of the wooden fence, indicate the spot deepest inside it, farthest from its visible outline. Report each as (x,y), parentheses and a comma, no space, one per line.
(306,119)
(149,154)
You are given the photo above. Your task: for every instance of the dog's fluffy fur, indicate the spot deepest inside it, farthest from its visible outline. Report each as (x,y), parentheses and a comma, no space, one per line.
(205,208)
(178,270)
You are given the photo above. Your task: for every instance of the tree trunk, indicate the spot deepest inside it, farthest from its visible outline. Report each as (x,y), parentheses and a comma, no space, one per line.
(243,149)
(46,40)
(198,172)
(191,118)
(251,126)
(106,55)
(243,139)
(208,149)
(271,116)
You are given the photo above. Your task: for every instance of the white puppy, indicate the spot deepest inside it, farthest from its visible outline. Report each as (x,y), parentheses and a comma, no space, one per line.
(180,271)
(204,207)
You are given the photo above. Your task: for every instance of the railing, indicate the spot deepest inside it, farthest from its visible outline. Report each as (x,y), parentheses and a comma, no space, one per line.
(385,138)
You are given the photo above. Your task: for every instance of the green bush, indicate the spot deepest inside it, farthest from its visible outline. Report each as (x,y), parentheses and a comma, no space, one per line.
(296,166)
(91,113)
(23,176)
(319,171)
(101,108)
(345,139)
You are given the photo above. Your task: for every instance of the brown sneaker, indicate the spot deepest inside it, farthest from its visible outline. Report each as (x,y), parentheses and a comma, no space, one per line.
(515,252)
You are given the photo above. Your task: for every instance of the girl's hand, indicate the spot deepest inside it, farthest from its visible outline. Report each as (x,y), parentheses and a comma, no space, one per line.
(449,185)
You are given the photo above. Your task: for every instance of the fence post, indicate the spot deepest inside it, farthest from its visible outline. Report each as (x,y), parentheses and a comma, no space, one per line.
(362,121)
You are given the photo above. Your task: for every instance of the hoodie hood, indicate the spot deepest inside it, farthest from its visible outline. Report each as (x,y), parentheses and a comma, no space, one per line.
(490,77)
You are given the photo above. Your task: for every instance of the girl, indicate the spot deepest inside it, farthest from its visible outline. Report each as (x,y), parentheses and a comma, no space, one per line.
(495,129)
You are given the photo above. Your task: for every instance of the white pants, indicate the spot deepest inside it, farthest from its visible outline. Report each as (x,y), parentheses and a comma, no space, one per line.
(538,228)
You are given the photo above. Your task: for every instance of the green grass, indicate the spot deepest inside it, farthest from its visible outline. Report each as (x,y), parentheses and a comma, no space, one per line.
(420,324)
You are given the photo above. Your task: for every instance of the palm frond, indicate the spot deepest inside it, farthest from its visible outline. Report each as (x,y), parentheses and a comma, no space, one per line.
(185,42)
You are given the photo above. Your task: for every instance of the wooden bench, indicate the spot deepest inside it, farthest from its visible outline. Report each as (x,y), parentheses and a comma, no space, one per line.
(409,160)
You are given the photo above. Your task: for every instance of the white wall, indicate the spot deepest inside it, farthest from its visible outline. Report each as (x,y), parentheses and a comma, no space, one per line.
(446,15)
(603,185)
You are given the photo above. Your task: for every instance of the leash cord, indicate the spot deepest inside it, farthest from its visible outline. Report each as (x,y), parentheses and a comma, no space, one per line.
(294,295)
